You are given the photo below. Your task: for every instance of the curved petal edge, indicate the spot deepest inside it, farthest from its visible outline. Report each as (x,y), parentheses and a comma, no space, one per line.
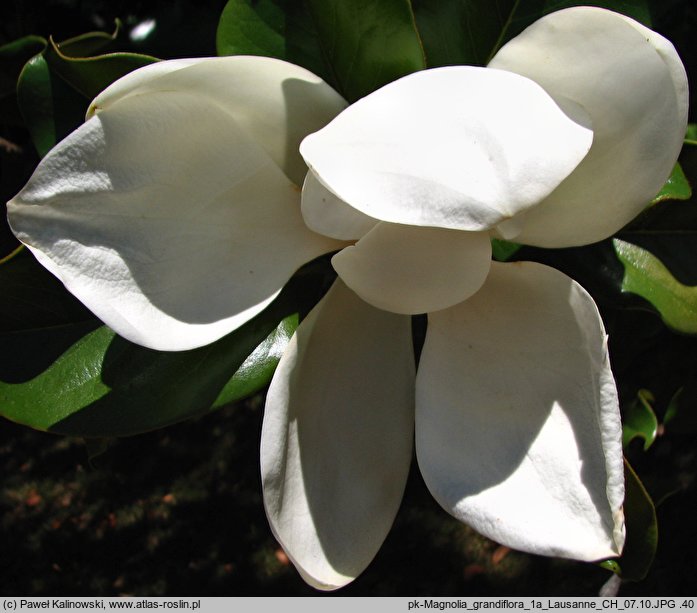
(337,437)
(518,431)
(459,147)
(174,232)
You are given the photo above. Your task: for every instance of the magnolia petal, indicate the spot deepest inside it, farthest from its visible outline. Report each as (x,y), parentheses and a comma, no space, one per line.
(275,102)
(518,431)
(139,81)
(336,440)
(407,269)
(459,147)
(633,85)
(669,55)
(165,220)
(323,212)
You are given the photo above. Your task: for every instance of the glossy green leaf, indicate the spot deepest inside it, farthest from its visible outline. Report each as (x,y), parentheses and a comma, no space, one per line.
(50,107)
(361,45)
(64,372)
(104,386)
(275,28)
(256,371)
(13,56)
(463,32)
(471,31)
(611,565)
(676,188)
(646,276)
(642,529)
(669,231)
(90,43)
(90,75)
(367,43)
(639,420)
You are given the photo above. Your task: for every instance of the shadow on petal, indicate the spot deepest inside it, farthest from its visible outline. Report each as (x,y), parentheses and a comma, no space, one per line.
(173,231)
(517,425)
(337,437)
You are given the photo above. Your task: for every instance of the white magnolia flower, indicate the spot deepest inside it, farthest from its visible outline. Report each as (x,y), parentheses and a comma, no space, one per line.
(174,214)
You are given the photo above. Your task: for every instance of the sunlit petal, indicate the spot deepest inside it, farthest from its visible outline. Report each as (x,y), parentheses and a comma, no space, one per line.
(406,269)
(517,423)
(633,85)
(166,220)
(457,147)
(337,437)
(275,102)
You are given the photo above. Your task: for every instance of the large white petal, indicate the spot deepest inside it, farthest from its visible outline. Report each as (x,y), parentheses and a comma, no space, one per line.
(633,85)
(165,220)
(276,102)
(327,214)
(517,423)
(337,437)
(408,269)
(457,147)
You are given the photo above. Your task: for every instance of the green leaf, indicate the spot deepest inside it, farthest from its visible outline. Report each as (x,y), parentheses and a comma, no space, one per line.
(676,188)
(62,371)
(362,45)
(472,31)
(104,386)
(257,370)
(503,251)
(13,56)
(646,276)
(669,231)
(274,28)
(355,46)
(642,529)
(50,107)
(367,43)
(90,43)
(639,420)
(91,75)
(54,88)
(611,565)
(462,32)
